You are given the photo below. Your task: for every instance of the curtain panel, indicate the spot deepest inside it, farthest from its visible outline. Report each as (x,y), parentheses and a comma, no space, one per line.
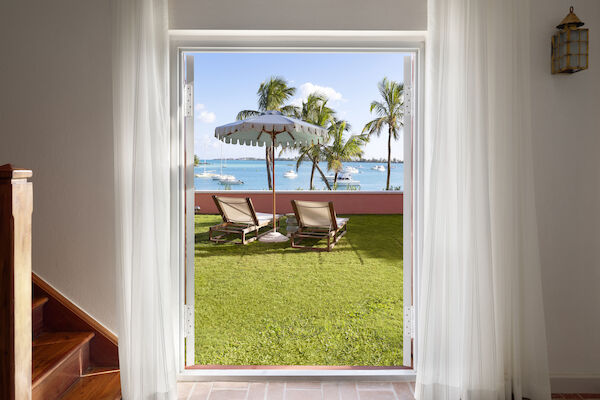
(481,332)
(146,280)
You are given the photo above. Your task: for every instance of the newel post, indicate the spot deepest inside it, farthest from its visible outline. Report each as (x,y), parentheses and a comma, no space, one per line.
(16,205)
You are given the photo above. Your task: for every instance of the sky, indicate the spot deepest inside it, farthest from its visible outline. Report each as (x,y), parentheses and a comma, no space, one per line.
(225,83)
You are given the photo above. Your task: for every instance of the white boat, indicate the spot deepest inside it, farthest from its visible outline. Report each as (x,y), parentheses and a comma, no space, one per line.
(378,168)
(351,170)
(204,175)
(230,180)
(344,180)
(291,174)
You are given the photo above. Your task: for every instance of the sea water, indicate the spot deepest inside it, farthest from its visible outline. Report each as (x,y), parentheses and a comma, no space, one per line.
(254,175)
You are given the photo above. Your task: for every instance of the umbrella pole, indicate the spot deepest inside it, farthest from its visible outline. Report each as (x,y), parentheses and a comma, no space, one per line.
(273,180)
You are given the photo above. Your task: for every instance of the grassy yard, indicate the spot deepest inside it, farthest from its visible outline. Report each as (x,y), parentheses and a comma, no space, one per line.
(269,304)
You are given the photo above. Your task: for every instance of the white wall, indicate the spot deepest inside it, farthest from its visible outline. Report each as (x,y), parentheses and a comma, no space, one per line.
(293,14)
(566,123)
(56,118)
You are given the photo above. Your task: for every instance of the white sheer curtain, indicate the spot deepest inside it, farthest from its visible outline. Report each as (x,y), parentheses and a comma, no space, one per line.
(146,282)
(481,328)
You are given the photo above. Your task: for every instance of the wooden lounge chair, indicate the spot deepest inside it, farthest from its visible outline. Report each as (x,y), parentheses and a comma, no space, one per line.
(239,218)
(317,220)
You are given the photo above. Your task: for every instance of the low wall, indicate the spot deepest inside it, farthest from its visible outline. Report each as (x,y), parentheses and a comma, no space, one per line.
(346,202)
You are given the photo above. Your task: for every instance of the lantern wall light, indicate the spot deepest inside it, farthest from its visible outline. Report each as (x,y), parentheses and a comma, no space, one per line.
(570,46)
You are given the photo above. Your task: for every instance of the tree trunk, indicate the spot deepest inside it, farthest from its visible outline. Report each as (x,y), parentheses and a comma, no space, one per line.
(387,186)
(320,172)
(335,178)
(268,161)
(312,176)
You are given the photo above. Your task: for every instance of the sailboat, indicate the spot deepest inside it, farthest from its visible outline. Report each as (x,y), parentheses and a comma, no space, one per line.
(205,174)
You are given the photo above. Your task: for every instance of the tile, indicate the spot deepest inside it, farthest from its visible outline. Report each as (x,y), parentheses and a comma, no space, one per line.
(228,394)
(302,385)
(403,390)
(303,394)
(275,390)
(256,391)
(330,391)
(348,391)
(376,395)
(374,385)
(200,391)
(184,389)
(230,385)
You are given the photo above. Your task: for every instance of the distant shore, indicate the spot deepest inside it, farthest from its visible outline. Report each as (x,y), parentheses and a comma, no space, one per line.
(204,161)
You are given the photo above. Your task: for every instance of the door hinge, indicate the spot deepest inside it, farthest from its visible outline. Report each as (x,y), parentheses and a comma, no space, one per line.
(188,315)
(409,320)
(408,95)
(188,100)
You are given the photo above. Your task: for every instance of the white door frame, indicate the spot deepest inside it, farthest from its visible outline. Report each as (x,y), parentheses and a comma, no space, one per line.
(182,163)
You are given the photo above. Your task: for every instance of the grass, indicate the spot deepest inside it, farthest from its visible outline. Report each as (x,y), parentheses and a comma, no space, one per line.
(269,304)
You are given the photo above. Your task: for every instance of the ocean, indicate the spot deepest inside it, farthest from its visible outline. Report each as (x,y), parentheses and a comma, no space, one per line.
(253,174)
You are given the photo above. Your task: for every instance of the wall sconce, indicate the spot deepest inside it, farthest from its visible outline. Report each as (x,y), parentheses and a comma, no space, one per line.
(570,46)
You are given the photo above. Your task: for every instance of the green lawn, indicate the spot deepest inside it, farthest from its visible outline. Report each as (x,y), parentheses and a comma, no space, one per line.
(269,304)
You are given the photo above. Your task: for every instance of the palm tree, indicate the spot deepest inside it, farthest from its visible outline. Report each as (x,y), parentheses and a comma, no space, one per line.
(389,112)
(315,111)
(342,150)
(272,95)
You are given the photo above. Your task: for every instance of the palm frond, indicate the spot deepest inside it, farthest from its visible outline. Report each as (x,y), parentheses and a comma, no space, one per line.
(246,114)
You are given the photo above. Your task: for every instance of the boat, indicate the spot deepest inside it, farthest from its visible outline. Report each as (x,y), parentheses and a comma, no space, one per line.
(230,180)
(378,168)
(291,174)
(344,180)
(350,170)
(205,175)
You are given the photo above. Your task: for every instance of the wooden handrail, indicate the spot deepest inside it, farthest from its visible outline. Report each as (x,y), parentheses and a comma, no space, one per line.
(16,206)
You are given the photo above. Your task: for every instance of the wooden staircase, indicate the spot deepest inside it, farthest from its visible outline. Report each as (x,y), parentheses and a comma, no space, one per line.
(62,366)
(49,348)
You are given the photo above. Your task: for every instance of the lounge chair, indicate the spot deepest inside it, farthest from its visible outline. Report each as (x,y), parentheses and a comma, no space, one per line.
(239,218)
(317,220)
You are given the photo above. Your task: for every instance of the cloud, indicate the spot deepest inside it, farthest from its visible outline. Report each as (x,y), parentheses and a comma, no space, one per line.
(203,115)
(309,88)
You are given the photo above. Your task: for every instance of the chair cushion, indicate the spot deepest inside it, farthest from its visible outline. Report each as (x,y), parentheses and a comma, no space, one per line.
(341,221)
(264,217)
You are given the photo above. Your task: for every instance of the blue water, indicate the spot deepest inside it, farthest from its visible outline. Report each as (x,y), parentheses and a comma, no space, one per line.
(254,175)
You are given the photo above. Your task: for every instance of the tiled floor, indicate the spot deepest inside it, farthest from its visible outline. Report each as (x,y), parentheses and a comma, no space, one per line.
(298,390)
(346,390)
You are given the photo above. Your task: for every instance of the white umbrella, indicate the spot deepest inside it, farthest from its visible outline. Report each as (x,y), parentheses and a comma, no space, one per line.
(274,129)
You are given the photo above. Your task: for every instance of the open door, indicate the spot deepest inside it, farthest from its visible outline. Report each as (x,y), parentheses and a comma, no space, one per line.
(407,229)
(188,111)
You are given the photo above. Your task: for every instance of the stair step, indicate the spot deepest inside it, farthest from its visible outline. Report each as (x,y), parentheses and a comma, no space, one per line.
(58,360)
(38,302)
(37,315)
(97,384)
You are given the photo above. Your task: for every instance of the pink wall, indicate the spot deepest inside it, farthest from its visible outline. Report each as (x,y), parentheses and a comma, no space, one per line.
(345,202)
